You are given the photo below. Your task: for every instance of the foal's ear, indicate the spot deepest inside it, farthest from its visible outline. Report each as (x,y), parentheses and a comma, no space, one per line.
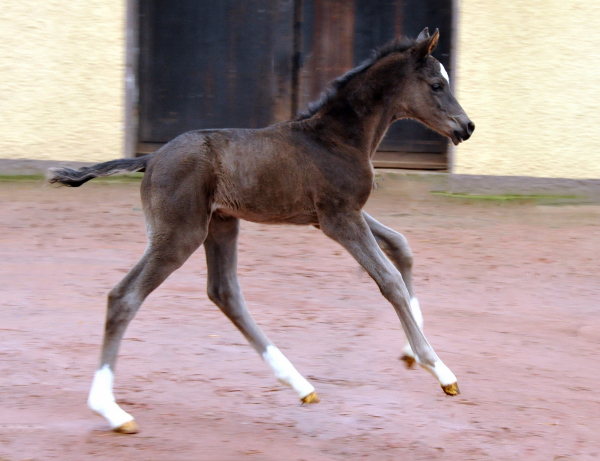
(424,47)
(423,35)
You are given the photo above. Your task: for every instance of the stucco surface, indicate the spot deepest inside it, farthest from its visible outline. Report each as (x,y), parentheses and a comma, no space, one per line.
(529,77)
(62,76)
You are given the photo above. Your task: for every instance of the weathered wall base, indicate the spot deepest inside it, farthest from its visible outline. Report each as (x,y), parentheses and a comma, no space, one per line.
(562,189)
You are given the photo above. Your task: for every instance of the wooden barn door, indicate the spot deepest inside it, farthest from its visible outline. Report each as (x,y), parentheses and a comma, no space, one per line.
(251,63)
(213,64)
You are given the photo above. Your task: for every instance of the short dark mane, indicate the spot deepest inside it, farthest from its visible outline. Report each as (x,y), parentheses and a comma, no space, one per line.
(397,46)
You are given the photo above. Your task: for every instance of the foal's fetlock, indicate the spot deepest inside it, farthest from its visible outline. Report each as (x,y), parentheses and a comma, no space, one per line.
(408,357)
(102,402)
(443,374)
(120,421)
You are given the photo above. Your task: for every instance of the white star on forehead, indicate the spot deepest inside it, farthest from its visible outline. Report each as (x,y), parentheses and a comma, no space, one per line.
(444,73)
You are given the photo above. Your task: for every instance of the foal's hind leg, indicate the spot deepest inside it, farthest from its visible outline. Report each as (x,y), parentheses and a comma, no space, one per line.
(224,290)
(159,261)
(351,231)
(177,221)
(397,249)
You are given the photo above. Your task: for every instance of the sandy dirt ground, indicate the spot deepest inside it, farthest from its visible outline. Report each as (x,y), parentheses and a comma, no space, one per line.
(510,293)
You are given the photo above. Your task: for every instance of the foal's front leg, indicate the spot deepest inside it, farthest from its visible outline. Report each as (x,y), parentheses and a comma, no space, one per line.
(351,230)
(224,290)
(397,249)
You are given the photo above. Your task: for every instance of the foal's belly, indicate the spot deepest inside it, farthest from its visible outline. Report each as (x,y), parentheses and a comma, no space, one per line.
(298,219)
(268,213)
(265,200)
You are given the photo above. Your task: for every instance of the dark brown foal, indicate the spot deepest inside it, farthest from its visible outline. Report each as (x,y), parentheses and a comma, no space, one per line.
(313,170)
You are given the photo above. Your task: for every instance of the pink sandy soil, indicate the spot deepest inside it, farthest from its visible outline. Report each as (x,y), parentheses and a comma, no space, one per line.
(510,293)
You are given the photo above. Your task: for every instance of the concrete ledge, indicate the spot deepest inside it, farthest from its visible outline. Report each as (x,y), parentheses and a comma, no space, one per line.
(585,189)
(523,185)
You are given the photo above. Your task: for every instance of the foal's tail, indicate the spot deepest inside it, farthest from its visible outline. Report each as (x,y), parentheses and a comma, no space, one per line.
(75,178)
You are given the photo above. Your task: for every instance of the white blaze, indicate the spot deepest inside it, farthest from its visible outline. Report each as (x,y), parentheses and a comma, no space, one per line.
(286,373)
(444,73)
(102,400)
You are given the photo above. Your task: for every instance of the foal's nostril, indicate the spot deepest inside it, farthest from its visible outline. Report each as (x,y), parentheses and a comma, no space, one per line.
(470,128)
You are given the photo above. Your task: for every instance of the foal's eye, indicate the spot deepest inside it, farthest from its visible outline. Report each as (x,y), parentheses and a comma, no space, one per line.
(437,87)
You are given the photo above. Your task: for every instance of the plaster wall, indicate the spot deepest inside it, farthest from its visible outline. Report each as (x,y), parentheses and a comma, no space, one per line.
(529,76)
(62,79)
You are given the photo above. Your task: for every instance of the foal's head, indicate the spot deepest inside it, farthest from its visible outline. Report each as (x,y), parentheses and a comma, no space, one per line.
(425,94)
(404,78)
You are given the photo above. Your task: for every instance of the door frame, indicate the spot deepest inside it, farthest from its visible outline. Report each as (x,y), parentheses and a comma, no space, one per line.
(132,52)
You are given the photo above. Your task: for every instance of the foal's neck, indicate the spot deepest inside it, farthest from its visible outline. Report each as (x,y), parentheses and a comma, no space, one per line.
(363,110)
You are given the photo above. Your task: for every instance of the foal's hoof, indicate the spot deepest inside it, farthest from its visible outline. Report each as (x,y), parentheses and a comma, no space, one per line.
(451,389)
(408,360)
(311,398)
(130,427)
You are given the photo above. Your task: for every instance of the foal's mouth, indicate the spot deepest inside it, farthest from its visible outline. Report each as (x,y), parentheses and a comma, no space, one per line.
(456,138)
(465,133)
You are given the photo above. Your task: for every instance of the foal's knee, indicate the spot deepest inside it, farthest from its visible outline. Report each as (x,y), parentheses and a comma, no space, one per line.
(119,298)
(219,294)
(213,294)
(114,296)
(122,306)
(392,288)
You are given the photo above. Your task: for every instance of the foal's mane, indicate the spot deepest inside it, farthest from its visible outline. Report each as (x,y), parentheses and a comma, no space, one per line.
(397,46)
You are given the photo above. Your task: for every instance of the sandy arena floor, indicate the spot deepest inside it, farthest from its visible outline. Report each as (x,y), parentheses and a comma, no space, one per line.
(510,293)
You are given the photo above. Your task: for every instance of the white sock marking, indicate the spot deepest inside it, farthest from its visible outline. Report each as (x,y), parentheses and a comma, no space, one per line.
(441,372)
(286,373)
(102,401)
(407,351)
(444,73)
(416,312)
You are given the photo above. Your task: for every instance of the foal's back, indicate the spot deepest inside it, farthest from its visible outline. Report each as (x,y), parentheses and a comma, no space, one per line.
(278,174)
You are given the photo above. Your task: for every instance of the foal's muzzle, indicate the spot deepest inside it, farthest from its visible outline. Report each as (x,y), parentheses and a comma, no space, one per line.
(463,133)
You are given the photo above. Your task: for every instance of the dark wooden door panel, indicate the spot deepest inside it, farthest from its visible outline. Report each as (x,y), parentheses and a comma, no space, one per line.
(326,53)
(214,64)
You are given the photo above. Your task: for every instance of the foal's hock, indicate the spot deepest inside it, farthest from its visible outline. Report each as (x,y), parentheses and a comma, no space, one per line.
(313,170)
